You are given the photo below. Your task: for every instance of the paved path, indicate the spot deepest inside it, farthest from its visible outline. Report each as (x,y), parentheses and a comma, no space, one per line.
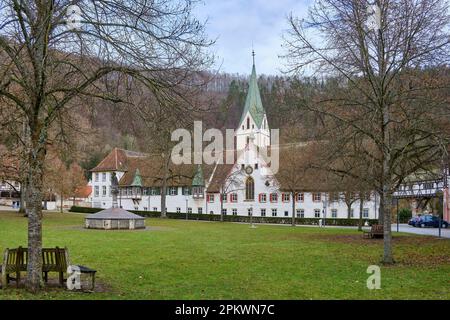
(445,233)
(7,208)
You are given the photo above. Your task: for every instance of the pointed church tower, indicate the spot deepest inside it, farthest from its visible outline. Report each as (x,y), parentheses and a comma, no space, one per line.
(253,126)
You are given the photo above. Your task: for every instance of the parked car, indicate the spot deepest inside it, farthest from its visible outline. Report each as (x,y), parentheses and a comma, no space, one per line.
(431,221)
(413,221)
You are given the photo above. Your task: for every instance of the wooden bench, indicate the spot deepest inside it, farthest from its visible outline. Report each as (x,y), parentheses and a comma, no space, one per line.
(376,231)
(15,261)
(55,260)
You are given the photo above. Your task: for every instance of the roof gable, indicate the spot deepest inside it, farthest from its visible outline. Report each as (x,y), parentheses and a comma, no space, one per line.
(137,180)
(198,180)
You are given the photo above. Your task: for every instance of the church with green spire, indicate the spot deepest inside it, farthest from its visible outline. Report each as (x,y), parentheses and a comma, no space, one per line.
(253,125)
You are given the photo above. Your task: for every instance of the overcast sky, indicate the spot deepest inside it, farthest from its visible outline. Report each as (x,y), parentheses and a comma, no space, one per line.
(238,23)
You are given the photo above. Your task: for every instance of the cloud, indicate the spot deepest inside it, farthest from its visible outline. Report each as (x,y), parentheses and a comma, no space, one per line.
(238,23)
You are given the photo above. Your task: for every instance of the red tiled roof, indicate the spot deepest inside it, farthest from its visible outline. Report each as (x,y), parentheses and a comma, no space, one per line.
(151,171)
(221,173)
(83,192)
(117,160)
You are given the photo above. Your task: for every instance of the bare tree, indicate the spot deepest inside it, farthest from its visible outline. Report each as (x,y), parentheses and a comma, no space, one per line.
(298,171)
(153,124)
(292,173)
(49,61)
(233,182)
(385,90)
(63,178)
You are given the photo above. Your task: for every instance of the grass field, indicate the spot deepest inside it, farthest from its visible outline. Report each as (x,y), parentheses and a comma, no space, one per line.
(203,260)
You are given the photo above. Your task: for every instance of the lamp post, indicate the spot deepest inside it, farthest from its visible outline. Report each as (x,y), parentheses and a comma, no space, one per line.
(324,203)
(251,217)
(440,195)
(398,217)
(187,199)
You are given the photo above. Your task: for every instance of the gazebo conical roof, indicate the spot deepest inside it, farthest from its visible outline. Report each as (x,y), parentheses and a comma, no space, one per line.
(114,214)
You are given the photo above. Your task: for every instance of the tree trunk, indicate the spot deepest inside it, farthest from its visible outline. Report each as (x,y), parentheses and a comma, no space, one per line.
(387,252)
(22,208)
(164,188)
(62,204)
(293,208)
(163,198)
(381,210)
(361,209)
(34,209)
(349,211)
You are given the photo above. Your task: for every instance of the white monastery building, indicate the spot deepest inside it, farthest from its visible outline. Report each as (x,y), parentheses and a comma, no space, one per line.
(243,188)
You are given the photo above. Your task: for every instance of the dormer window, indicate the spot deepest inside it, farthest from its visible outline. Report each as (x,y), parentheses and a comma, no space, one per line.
(197,192)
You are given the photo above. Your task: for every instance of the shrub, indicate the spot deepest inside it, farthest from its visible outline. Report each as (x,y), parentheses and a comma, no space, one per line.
(84,209)
(231,218)
(404,215)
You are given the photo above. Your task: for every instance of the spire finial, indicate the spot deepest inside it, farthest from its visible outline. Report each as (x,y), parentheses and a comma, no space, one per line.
(253,54)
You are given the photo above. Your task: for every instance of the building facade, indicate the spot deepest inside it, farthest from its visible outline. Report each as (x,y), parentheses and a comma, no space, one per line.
(10,193)
(244,188)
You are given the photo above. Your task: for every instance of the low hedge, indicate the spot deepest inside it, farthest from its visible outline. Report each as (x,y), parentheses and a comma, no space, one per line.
(231,218)
(84,209)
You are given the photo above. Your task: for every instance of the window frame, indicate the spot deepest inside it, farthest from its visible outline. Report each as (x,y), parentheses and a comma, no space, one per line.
(263,197)
(274,197)
(334,213)
(315,213)
(365,213)
(249,189)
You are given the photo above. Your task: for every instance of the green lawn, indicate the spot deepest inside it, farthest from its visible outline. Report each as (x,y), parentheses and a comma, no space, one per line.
(203,260)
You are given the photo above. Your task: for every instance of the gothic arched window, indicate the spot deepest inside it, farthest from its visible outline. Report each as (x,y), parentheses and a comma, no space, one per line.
(248,123)
(249,189)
